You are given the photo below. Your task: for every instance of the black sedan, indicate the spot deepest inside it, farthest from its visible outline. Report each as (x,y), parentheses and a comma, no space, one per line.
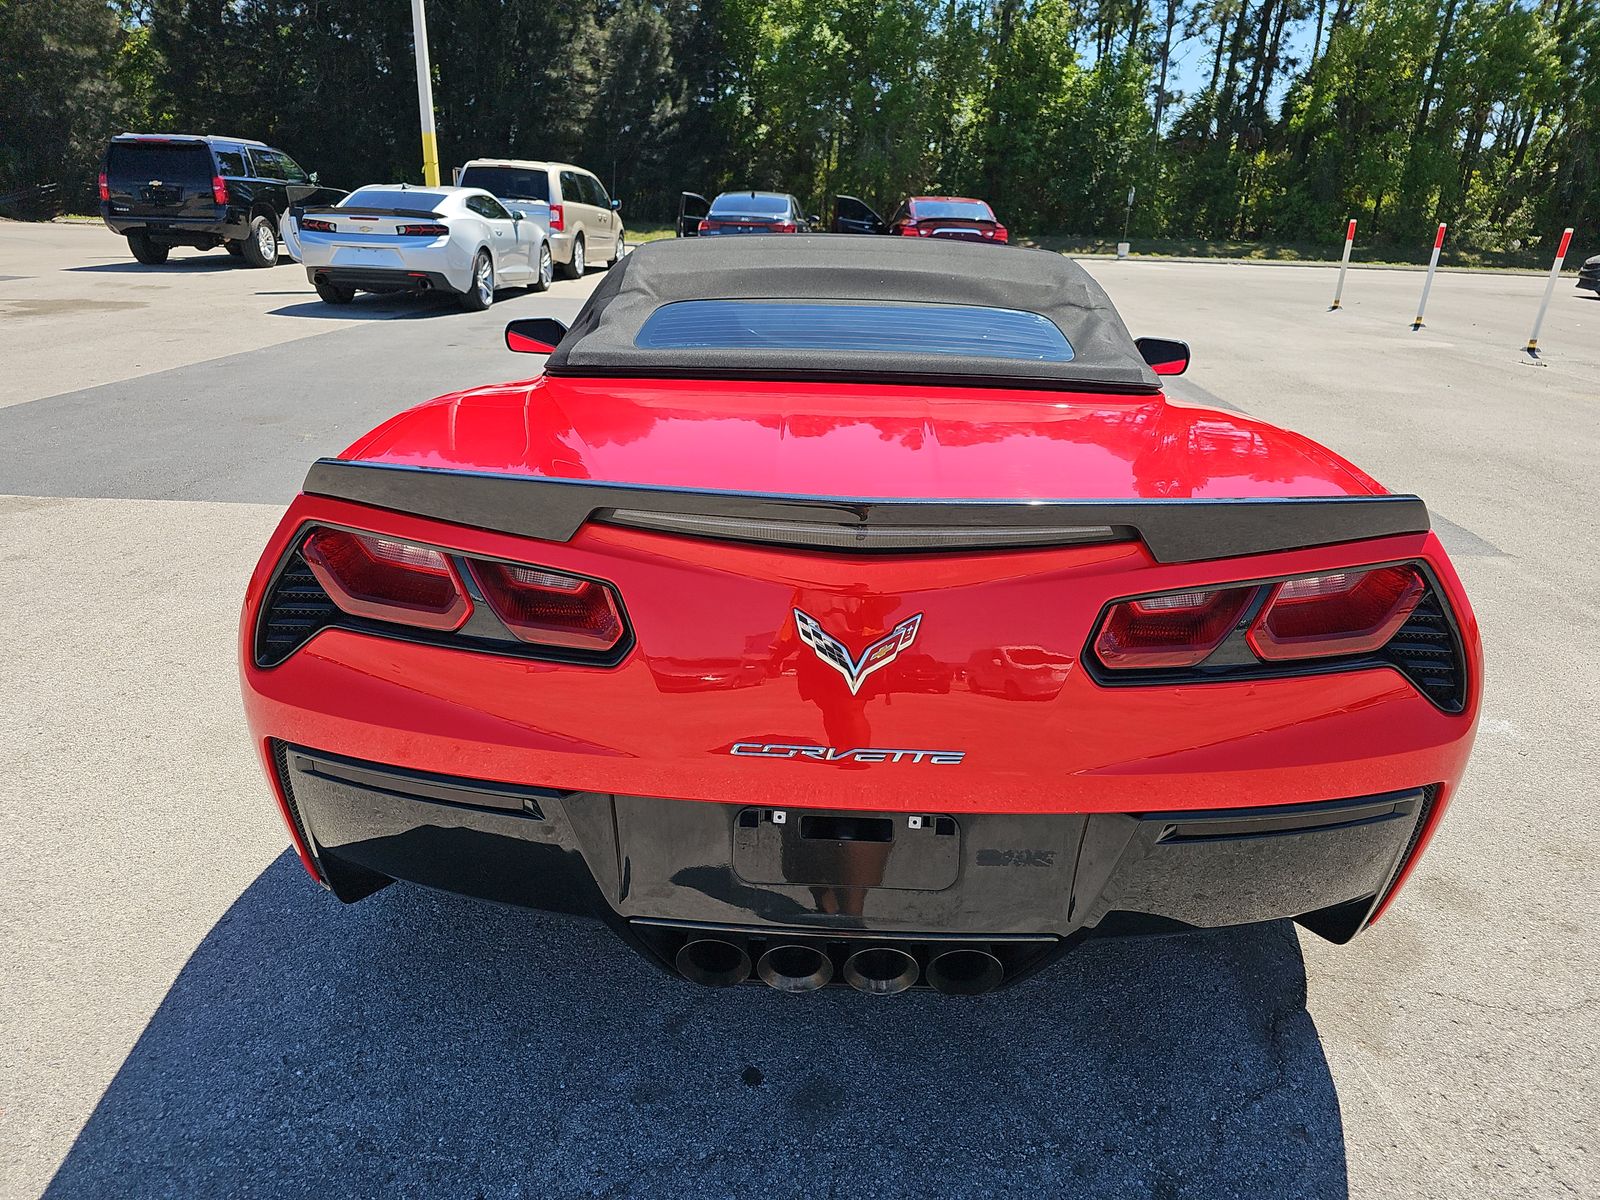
(741,212)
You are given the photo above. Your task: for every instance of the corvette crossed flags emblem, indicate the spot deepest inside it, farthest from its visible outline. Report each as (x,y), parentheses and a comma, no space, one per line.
(855,670)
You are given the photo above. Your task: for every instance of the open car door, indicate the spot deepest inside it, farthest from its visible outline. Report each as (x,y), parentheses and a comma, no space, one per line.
(692,209)
(854,216)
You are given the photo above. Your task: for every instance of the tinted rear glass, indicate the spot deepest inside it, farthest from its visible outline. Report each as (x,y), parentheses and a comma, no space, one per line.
(375,197)
(960,210)
(950,329)
(168,162)
(732,204)
(509,183)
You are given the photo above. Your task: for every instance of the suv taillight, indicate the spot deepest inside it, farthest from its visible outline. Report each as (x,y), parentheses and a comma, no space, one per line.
(105,187)
(558,218)
(219,189)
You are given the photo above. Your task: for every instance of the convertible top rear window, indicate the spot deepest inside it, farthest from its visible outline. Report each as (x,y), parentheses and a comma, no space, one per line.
(942,329)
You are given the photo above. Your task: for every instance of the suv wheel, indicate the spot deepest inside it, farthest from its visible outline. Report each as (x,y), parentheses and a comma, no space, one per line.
(547,268)
(260,245)
(152,254)
(576,268)
(480,292)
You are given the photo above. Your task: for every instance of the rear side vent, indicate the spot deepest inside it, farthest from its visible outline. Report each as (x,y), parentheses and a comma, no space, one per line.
(1428,651)
(296,607)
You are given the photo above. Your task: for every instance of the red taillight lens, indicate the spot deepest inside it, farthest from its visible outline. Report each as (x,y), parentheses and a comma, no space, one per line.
(558,218)
(219,189)
(704,226)
(783,227)
(1345,612)
(105,187)
(316,226)
(1178,630)
(1000,234)
(550,608)
(909,230)
(387,580)
(423,230)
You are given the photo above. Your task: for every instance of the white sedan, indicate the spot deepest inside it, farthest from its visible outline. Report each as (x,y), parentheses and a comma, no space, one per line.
(401,238)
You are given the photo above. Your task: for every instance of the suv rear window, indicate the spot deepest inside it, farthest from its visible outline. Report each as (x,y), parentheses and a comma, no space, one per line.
(509,183)
(825,326)
(170,162)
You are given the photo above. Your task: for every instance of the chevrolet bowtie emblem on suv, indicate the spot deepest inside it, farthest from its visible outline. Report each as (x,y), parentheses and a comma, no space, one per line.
(855,670)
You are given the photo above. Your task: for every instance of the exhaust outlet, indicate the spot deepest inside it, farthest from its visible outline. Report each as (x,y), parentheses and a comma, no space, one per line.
(713,962)
(795,969)
(965,972)
(880,971)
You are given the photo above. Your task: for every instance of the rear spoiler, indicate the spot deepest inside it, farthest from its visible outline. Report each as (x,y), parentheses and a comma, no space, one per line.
(1174,531)
(357,211)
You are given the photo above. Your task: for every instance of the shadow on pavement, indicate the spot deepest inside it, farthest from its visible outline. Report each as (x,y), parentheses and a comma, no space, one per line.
(173,266)
(418,1044)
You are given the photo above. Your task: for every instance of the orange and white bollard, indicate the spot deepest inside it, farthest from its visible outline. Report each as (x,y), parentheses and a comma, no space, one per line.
(1427,284)
(1344,263)
(1549,289)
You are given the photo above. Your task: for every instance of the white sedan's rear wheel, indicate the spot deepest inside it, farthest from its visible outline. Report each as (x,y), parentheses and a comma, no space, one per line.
(547,268)
(480,292)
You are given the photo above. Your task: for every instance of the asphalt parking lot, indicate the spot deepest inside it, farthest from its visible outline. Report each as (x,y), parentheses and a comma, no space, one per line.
(183,1014)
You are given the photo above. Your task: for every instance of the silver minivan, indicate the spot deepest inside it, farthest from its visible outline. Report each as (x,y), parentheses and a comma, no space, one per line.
(585,223)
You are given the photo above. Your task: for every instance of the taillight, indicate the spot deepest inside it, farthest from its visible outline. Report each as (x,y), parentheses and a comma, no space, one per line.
(384,579)
(558,218)
(783,227)
(909,229)
(1177,630)
(316,226)
(1000,234)
(431,231)
(1344,612)
(219,189)
(705,226)
(105,187)
(551,608)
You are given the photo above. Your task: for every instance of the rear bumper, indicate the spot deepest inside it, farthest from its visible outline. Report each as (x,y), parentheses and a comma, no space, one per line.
(374,279)
(183,231)
(1024,887)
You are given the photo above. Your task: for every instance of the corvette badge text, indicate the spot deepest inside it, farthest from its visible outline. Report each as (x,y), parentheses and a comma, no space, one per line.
(863,754)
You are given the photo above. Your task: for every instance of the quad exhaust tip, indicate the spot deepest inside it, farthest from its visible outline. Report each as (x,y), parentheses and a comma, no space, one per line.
(795,968)
(965,972)
(713,963)
(881,971)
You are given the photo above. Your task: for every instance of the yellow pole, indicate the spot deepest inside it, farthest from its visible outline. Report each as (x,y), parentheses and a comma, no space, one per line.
(430,143)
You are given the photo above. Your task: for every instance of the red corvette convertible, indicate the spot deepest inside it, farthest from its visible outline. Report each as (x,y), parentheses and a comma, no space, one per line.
(834,611)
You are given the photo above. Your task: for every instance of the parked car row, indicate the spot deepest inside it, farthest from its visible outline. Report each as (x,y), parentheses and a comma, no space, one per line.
(504,222)
(959,218)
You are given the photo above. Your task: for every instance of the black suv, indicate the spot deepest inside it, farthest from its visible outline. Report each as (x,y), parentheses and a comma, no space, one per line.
(166,190)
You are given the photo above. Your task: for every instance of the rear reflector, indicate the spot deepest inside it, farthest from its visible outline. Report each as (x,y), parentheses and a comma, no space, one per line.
(383,579)
(550,608)
(1346,612)
(1178,630)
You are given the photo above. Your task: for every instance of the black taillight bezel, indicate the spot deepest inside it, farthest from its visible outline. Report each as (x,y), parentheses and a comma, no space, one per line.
(482,633)
(1234,661)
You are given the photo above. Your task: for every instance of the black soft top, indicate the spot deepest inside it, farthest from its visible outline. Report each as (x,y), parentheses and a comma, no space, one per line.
(859,270)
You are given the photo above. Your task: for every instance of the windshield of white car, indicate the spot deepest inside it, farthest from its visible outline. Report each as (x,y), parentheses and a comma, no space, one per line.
(941,329)
(382,197)
(509,183)
(749,204)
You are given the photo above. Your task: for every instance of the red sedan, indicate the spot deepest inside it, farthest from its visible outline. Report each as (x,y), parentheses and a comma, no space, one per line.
(951,217)
(667,634)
